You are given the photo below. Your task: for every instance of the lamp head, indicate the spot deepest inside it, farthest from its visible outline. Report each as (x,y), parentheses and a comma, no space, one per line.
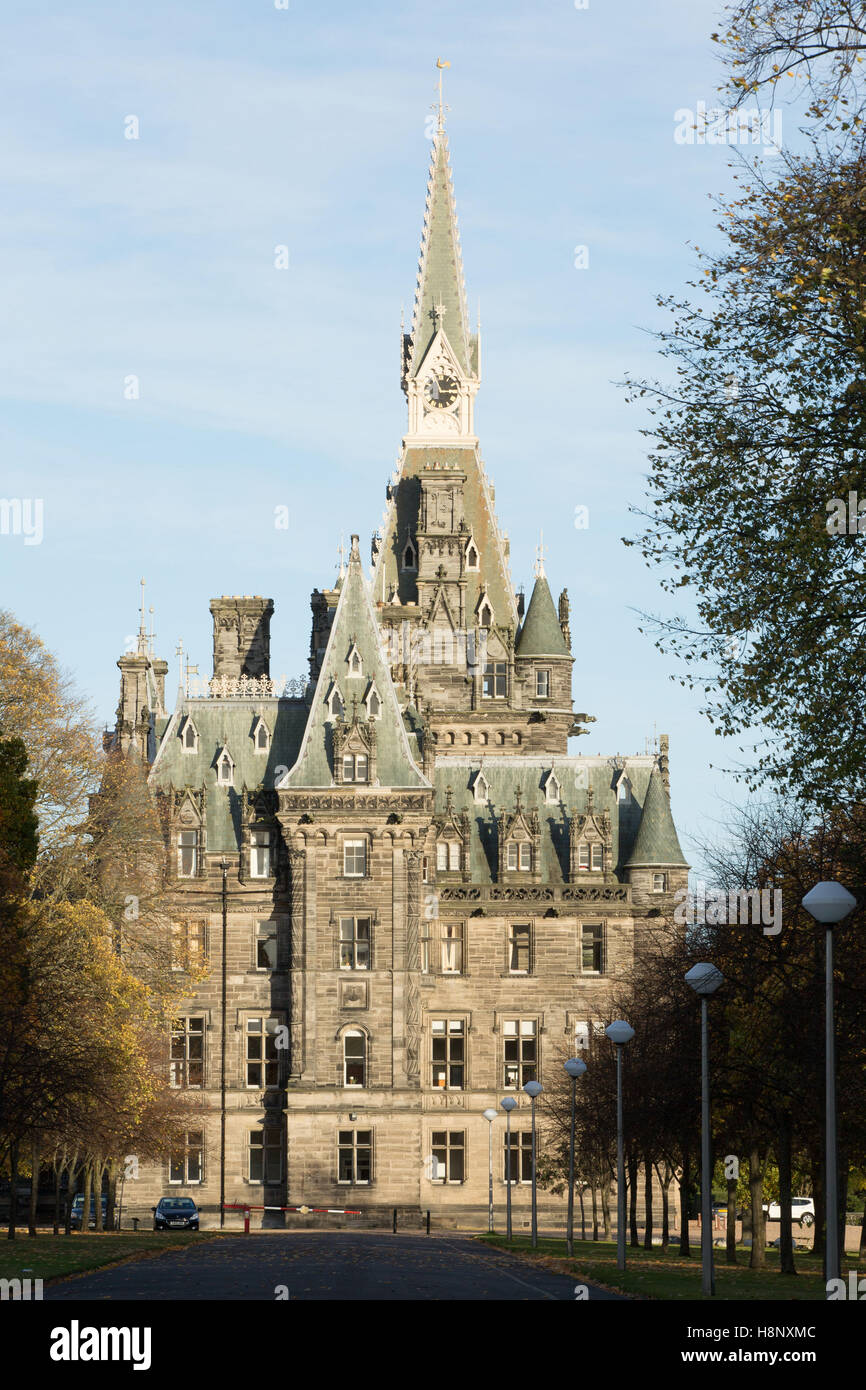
(575,1066)
(509,1103)
(619,1032)
(704,978)
(489,1115)
(533,1089)
(829,902)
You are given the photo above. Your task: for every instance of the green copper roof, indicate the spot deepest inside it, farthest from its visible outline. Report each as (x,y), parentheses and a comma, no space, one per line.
(440,273)
(656,841)
(541,634)
(355,631)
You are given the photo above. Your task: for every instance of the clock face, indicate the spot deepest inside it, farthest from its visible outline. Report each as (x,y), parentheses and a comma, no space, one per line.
(440,391)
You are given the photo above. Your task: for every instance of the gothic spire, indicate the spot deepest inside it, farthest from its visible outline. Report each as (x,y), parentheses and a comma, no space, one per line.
(440,295)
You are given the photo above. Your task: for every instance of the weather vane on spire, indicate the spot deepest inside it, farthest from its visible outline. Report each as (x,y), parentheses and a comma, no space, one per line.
(539,556)
(142,625)
(442,63)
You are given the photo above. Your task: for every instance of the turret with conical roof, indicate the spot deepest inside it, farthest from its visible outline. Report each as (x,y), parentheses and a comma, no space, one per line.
(656,863)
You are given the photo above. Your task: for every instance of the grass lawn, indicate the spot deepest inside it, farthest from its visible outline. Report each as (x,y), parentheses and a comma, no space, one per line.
(650,1274)
(51,1257)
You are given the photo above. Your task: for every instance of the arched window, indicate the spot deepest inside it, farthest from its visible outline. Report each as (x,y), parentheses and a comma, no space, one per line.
(190,737)
(354,1058)
(410,556)
(225,769)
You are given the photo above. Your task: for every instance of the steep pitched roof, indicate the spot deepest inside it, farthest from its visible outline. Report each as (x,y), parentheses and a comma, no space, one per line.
(656,842)
(541,634)
(441,289)
(355,626)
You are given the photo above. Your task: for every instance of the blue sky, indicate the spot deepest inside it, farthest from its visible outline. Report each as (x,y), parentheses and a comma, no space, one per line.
(305,127)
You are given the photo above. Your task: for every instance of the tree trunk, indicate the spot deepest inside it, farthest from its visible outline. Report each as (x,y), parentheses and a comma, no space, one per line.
(35,1159)
(842,1188)
(594,1211)
(731,1224)
(648,1204)
(605,1210)
(98,1173)
(757,1259)
(632,1198)
(71,1187)
(786,1235)
(819,1244)
(112,1196)
(684,1204)
(582,1213)
(58,1178)
(85,1206)
(664,1183)
(13,1188)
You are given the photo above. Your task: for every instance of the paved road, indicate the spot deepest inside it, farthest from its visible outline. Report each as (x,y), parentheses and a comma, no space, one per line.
(336,1265)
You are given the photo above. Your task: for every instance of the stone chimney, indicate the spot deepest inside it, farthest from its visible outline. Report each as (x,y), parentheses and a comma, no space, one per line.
(241,635)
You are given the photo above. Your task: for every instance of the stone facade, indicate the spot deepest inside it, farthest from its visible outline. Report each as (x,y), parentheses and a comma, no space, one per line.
(424,897)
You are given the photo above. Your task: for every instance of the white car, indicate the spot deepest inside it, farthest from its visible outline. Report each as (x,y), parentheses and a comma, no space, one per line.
(802,1210)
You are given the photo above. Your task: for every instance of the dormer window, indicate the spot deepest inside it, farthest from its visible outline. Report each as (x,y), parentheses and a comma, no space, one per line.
(261,736)
(355,767)
(590,858)
(448,855)
(518,855)
(623,791)
(225,769)
(485,613)
(472,556)
(410,556)
(356,665)
(189,737)
(481,789)
(552,789)
(373,703)
(334,702)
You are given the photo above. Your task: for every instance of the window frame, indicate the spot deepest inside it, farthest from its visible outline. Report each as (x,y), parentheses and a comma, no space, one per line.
(494,672)
(187,1062)
(195,847)
(545,693)
(515,947)
(356,942)
(255,845)
(521,1158)
(523,1065)
(270,1143)
(351,843)
(269,1061)
(452,1144)
(346,1062)
(352,1147)
(185,1151)
(599,944)
(455,1029)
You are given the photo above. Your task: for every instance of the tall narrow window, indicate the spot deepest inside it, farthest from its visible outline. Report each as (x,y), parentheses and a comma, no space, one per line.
(592,949)
(424,939)
(410,557)
(452,948)
(581,1036)
(659,883)
(448,1052)
(187,854)
(597,857)
(542,685)
(521,1051)
(354,943)
(265,1154)
(354,1058)
(495,680)
(266,946)
(186,1069)
(448,1153)
(519,942)
(521,1157)
(263,1066)
(187,945)
(583,858)
(260,854)
(225,771)
(354,858)
(185,1161)
(355,1156)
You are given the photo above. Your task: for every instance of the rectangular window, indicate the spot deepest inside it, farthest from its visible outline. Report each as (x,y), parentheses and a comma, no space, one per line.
(454,856)
(542,685)
(355,1156)
(519,942)
(187,854)
(262,1060)
(452,948)
(592,950)
(448,1150)
(266,946)
(449,1058)
(185,1163)
(659,882)
(186,1068)
(424,939)
(361,767)
(581,1037)
(354,858)
(583,858)
(260,854)
(525,855)
(521,1051)
(597,857)
(355,943)
(495,680)
(442,855)
(187,945)
(266,1158)
(521,1157)
(354,1058)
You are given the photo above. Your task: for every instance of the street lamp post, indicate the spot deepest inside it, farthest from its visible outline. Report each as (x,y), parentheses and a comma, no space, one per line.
(490,1116)
(828,903)
(705,980)
(619,1033)
(575,1067)
(508,1104)
(533,1089)
(224,868)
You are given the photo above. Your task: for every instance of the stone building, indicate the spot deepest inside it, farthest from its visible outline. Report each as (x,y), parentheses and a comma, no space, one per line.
(424,897)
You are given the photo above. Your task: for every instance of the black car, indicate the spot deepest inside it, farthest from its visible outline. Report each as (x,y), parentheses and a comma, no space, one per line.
(78,1211)
(175,1214)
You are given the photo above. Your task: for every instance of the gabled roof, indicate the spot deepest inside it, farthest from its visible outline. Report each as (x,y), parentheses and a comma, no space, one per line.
(355,622)
(541,634)
(656,842)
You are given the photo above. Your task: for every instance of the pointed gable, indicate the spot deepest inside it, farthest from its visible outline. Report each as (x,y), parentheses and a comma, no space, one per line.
(440,271)
(656,843)
(355,630)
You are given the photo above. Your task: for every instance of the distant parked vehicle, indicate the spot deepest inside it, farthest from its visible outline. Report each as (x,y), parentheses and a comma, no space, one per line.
(78,1211)
(175,1214)
(802,1210)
